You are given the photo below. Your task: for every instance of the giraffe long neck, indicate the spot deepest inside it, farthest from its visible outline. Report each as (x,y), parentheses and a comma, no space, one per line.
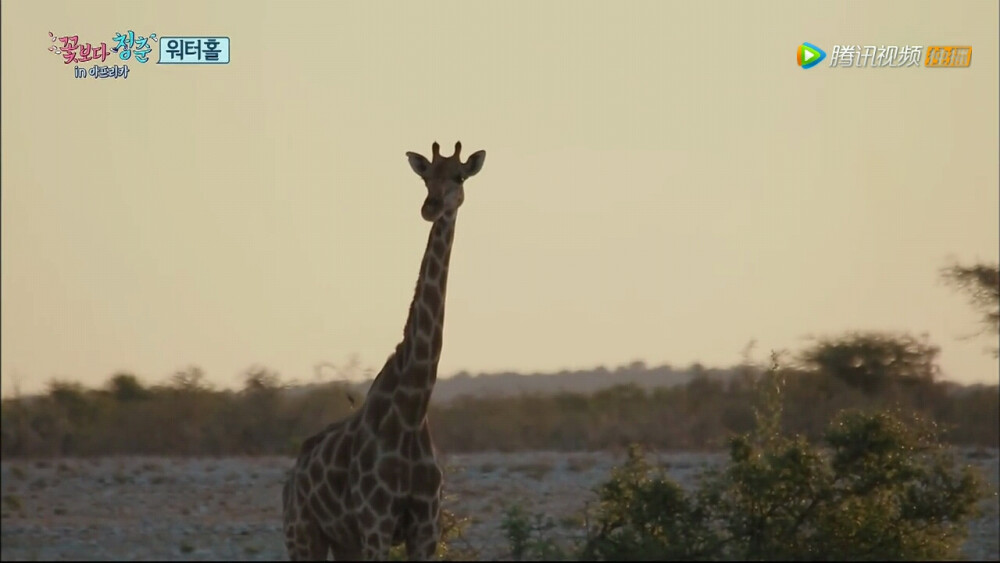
(425,323)
(410,373)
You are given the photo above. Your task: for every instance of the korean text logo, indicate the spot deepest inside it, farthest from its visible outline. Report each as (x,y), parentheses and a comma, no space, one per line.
(136,49)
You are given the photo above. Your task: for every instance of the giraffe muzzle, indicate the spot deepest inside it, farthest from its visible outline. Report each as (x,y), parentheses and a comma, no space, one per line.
(431,209)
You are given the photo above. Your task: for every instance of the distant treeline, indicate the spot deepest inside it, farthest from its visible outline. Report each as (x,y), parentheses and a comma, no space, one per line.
(187,417)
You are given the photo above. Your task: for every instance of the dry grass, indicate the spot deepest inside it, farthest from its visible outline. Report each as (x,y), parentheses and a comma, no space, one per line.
(229,508)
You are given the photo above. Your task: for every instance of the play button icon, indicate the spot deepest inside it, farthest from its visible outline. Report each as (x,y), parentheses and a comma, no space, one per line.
(809,55)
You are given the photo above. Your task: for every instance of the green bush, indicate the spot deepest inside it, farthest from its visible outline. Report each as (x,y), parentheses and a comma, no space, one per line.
(643,515)
(528,536)
(882,488)
(453,545)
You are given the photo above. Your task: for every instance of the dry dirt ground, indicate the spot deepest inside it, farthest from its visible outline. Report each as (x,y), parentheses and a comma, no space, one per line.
(229,508)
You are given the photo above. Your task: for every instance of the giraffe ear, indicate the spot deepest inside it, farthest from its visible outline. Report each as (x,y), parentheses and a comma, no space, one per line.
(474,164)
(418,163)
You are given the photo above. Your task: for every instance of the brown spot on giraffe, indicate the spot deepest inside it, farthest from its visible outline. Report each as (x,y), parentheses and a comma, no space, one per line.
(433,269)
(380,498)
(407,403)
(432,300)
(421,378)
(422,350)
(371,481)
(436,346)
(392,429)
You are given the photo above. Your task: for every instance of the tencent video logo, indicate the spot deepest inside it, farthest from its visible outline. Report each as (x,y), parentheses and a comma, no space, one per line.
(809,55)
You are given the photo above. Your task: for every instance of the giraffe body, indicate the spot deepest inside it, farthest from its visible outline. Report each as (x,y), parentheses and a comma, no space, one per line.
(371,481)
(356,494)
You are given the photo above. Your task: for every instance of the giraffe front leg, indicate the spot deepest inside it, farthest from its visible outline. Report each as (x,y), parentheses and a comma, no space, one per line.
(425,531)
(303,539)
(305,542)
(423,544)
(375,546)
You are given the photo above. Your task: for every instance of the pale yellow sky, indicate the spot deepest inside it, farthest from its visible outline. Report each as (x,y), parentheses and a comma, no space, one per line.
(662,182)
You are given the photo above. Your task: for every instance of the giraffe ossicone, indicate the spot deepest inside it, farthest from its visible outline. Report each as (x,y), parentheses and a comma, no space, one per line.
(371,480)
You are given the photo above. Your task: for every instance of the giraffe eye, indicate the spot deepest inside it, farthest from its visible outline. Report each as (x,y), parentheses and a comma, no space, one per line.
(458,179)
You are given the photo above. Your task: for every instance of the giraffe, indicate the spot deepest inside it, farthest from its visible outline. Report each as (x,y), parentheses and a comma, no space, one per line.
(370,480)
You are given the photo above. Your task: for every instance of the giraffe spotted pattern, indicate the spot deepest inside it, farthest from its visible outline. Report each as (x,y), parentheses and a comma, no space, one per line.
(371,481)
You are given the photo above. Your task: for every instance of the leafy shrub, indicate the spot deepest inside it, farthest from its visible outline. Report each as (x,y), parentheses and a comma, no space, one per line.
(644,516)
(528,536)
(881,489)
(453,545)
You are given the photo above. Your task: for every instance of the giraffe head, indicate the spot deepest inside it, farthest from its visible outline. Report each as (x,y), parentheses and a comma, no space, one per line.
(444,177)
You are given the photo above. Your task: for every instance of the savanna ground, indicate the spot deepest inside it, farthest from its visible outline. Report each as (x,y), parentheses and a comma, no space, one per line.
(145,508)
